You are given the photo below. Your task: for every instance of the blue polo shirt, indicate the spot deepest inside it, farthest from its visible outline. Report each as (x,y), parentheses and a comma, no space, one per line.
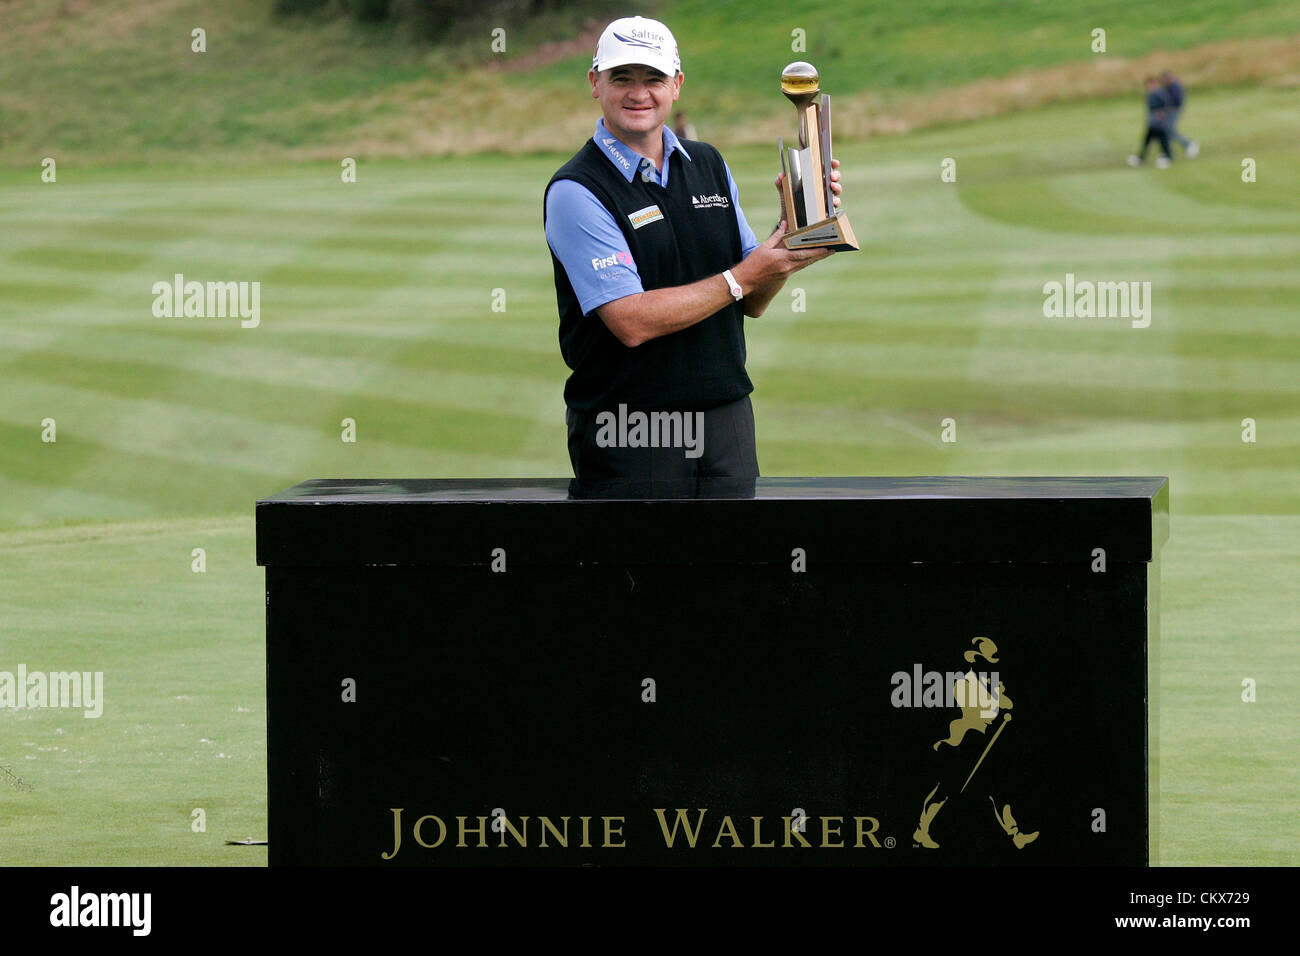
(579,228)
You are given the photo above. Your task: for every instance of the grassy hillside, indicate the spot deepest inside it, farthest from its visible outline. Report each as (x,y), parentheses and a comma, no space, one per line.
(117,81)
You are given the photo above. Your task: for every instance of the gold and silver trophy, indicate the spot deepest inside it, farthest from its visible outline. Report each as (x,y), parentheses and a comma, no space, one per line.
(809,202)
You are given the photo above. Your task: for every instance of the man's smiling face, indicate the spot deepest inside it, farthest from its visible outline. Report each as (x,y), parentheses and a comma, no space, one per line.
(635,99)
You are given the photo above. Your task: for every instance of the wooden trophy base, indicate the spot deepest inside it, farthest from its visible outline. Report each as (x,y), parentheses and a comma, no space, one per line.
(832,233)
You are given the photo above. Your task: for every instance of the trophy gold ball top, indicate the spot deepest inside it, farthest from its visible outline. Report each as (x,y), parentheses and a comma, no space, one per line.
(800,82)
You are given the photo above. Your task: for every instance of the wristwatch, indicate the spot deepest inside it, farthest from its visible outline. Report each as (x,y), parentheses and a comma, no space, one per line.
(736,292)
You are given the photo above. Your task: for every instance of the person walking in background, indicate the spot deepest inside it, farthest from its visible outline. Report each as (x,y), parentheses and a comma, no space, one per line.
(1176,96)
(1157,125)
(683,128)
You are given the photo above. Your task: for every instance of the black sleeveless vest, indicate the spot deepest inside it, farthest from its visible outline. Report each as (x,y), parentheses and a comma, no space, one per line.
(693,369)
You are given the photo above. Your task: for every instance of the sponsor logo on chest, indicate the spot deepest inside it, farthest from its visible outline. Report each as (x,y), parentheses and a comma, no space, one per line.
(716,201)
(643,217)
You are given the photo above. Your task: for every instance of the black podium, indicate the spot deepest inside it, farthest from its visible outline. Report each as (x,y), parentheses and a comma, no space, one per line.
(842,671)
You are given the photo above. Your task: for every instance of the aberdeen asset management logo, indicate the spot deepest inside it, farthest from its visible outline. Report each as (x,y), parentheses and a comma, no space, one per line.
(715,201)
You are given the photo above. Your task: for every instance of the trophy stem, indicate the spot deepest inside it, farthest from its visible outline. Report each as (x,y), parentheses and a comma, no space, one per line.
(807,117)
(815,176)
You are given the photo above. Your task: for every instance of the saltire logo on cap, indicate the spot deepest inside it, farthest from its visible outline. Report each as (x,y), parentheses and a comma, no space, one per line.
(636,41)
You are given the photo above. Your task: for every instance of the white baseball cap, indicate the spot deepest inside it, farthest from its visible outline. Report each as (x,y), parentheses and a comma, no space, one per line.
(637,40)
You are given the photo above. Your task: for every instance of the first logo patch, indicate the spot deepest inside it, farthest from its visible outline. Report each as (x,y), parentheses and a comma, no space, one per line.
(644,216)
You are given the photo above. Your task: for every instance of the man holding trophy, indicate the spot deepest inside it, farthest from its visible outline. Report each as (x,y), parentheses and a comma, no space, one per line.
(655,268)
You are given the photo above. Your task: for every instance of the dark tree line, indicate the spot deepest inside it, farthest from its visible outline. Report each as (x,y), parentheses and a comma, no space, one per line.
(427,16)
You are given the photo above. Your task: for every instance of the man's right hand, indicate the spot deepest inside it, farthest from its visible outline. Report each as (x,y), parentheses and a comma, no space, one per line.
(765,270)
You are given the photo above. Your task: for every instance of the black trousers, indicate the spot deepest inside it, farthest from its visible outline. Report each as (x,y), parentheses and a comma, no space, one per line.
(1157,133)
(721,461)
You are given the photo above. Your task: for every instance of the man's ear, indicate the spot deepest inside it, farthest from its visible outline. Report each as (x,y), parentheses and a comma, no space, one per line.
(677,91)
(592,75)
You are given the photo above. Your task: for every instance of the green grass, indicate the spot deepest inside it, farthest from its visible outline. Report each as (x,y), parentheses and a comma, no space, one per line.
(184,713)
(933,44)
(1227,767)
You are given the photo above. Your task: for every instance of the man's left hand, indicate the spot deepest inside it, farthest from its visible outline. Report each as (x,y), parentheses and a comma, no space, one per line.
(836,188)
